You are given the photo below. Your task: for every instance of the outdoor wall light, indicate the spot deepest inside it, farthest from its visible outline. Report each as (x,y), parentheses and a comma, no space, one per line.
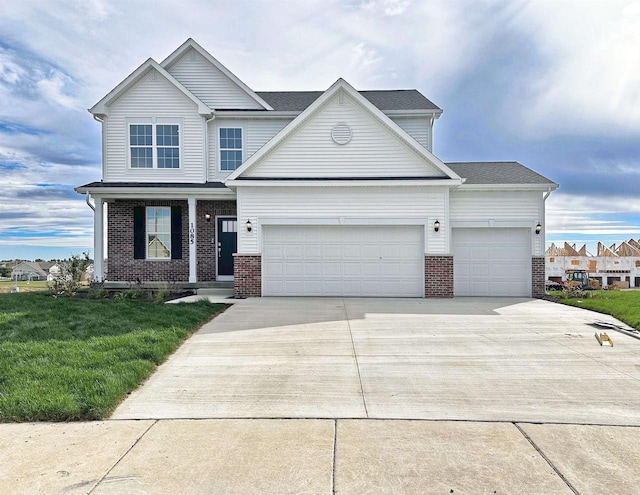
(436,225)
(538,228)
(249,225)
(207,217)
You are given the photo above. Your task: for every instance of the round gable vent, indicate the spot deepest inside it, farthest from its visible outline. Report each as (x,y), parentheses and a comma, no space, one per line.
(341,133)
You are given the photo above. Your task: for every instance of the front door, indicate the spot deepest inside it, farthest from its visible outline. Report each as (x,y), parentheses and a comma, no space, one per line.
(227,230)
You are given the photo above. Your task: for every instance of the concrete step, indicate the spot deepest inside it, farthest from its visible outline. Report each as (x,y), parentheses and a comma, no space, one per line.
(215,291)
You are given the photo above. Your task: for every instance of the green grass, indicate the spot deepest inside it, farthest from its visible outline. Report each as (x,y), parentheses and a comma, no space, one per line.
(623,305)
(71,359)
(25,286)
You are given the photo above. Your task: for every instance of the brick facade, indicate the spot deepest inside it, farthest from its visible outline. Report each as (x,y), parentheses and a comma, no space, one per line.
(247,275)
(537,276)
(438,276)
(122,267)
(206,242)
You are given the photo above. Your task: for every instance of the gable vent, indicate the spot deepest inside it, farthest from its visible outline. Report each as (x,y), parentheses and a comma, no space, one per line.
(341,133)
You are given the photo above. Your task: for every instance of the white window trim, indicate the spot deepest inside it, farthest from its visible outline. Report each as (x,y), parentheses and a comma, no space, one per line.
(154,147)
(219,148)
(146,233)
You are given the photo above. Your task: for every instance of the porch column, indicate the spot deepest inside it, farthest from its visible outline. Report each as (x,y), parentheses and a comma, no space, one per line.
(193,262)
(98,240)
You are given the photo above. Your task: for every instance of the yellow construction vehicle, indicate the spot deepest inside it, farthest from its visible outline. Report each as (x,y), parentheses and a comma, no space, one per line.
(579,279)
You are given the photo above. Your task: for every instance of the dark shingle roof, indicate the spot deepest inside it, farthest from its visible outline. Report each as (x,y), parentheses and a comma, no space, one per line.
(209,185)
(396,99)
(497,173)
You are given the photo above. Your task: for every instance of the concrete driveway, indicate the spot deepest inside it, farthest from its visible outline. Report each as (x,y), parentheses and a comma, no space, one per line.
(493,359)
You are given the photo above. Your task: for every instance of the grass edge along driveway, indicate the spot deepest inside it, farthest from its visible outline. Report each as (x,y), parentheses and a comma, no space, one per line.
(70,359)
(623,305)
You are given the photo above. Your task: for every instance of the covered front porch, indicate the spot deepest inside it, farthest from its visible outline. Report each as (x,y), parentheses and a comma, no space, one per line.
(157,234)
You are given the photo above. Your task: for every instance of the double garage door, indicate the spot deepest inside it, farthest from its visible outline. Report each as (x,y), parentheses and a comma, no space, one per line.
(492,262)
(343,260)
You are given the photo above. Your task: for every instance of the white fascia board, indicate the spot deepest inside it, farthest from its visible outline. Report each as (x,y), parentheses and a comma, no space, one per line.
(508,187)
(156,193)
(102,107)
(190,43)
(342,183)
(318,103)
(413,113)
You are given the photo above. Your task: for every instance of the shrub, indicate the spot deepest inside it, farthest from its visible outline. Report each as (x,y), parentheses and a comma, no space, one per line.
(67,280)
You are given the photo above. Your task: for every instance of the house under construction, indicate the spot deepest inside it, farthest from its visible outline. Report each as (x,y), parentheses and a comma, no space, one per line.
(611,264)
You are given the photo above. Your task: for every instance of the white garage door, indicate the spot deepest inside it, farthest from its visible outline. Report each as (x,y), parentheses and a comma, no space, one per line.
(323,260)
(492,262)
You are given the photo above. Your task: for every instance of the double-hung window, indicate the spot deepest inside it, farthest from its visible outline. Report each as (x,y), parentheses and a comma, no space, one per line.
(154,145)
(230,148)
(158,232)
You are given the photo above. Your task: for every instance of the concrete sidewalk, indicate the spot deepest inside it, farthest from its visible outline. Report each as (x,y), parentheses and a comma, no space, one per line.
(347,457)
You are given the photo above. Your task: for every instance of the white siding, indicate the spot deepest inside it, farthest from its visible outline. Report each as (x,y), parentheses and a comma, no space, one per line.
(342,205)
(417,128)
(153,98)
(210,85)
(256,133)
(372,152)
(511,208)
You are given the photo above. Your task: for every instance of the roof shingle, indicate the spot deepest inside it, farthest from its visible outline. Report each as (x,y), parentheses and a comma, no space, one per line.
(497,173)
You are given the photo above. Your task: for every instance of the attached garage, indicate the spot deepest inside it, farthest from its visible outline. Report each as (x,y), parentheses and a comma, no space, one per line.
(343,260)
(491,262)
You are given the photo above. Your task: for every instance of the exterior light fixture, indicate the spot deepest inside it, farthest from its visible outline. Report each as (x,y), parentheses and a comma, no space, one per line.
(249,225)
(538,228)
(436,225)
(207,217)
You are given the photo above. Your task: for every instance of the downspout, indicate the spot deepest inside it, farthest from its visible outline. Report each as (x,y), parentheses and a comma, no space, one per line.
(206,146)
(88,197)
(104,146)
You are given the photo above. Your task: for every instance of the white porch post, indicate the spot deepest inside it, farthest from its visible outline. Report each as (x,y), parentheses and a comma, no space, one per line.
(193,262)
(98,240)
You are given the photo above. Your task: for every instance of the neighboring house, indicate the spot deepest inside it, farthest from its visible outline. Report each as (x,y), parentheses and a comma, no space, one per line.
(28,270)
(314,193)
(610,264)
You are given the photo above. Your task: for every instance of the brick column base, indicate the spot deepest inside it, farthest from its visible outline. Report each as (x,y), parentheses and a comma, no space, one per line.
(247,275)
(438,276)
(537,276)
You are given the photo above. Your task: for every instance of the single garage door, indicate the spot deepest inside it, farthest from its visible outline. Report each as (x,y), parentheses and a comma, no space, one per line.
(343,260)
(492,262)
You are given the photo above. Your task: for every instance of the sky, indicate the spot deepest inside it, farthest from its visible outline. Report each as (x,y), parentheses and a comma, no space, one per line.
(554,85)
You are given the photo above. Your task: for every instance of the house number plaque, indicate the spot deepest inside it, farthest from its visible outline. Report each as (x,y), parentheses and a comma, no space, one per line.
(192,234)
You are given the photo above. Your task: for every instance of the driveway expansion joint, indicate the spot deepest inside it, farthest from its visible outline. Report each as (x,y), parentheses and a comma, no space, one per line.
(104,476)
(355,356)
(547,460)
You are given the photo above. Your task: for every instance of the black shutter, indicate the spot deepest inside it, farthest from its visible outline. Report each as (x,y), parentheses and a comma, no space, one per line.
(139,250)
(176,232)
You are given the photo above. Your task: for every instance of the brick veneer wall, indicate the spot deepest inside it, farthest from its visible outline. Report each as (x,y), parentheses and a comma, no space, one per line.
(247,275)
(438,276)
(206,242)
(122,266)
(537,276)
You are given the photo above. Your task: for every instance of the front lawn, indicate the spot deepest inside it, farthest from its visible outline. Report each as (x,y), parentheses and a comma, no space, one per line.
(623,305)
(70,359)
(25,286)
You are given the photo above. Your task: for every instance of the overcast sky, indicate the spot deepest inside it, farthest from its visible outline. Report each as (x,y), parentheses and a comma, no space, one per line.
(554,85)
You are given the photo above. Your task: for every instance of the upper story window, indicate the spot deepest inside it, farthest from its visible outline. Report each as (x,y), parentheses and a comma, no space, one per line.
(154,145)
(230,148)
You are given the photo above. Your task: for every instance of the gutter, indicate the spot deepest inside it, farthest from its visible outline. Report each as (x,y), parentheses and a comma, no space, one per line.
(88,197)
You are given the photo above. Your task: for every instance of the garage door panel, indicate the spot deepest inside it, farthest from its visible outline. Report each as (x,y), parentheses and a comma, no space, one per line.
(492,262)
(344,260)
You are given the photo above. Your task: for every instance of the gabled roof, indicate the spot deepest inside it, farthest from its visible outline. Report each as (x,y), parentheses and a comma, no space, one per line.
(396,99)
(496,173)
(341,84)
(101,108)
(190,43)
(30,266)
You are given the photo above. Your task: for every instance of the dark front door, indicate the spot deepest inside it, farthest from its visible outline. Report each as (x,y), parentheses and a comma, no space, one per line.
(227,244)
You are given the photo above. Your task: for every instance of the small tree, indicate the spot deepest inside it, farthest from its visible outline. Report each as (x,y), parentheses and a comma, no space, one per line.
(67,279)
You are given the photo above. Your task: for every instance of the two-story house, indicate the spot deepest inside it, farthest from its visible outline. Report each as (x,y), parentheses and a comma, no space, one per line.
(314,193)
